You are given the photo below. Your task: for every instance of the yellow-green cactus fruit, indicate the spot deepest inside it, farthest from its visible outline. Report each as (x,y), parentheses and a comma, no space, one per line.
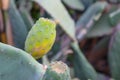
(40,38)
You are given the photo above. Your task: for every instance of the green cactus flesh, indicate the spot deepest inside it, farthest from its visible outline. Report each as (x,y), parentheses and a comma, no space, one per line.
(16,64)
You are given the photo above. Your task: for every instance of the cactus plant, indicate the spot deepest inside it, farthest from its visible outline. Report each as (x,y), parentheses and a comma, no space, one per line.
(95,20)
(16,64)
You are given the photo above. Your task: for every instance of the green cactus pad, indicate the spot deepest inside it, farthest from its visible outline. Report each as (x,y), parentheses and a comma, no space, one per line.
(16,64)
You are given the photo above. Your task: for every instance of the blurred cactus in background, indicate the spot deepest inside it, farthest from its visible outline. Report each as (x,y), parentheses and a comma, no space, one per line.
(87,40)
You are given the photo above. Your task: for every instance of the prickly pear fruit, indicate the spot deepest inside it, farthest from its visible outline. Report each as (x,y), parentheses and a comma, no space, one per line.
(40,38)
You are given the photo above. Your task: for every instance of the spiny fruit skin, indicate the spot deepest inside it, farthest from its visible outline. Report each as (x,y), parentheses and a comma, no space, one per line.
(40,38)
